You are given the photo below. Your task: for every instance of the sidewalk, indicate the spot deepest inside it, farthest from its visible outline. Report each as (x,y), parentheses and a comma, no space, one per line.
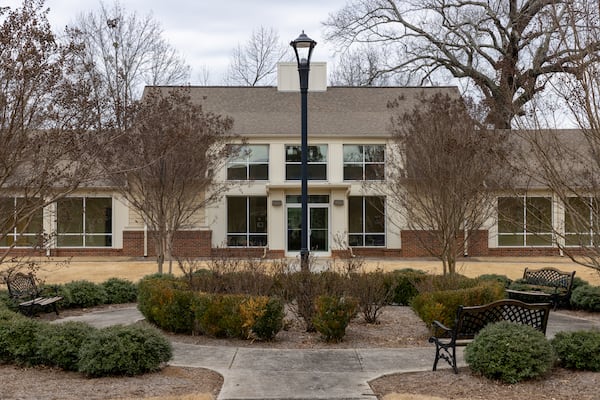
(252,373)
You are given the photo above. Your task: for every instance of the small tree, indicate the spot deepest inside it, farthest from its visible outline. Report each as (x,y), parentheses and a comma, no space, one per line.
(165,164)
(441,183)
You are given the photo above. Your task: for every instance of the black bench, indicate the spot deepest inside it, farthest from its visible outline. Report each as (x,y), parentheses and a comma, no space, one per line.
(23,289)
(543,285)
(470,320)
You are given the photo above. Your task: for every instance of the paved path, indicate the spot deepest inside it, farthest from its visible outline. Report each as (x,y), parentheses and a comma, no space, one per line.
(252,373)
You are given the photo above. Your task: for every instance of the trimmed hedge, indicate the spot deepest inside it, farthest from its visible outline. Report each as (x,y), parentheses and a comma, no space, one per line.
(59,344)
(124,350)
(510,352)
(168,303)
(81,294)
(442,305)
(119,291)
(403,283)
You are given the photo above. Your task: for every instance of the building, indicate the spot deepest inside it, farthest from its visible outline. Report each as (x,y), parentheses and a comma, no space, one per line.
(349,143)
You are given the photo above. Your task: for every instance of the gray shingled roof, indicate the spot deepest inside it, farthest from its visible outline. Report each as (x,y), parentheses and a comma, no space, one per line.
(348,111)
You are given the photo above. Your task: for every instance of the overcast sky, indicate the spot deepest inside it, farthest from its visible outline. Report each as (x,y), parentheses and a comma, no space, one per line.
(206,31)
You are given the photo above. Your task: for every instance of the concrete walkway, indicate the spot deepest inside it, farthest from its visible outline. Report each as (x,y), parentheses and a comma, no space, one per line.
(253,373)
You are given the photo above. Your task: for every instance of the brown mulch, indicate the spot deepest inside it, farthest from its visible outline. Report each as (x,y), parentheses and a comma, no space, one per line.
(399,327)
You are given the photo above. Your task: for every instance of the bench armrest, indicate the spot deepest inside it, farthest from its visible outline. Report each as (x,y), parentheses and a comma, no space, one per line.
(440,330)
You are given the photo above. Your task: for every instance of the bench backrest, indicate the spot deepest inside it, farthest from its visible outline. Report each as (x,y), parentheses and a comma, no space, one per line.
(21,286)
(470,320)
(549,277)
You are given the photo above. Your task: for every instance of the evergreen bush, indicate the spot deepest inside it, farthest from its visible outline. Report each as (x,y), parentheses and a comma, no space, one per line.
(262,317)
(503,279)
(510,352)
(124,350)
(82,294)
(578,350)
(403,282)
(586,297)
(59,344)
(219,315)
(18,342)
(119,291)
(442,305)
(333,314)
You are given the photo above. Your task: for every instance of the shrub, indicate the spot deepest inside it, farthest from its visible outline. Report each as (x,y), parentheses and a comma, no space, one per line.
(119,291)
(219,315)
(166,302)
(333,314)
(124,350)
(82,294)
(577,281)
(403,282)
(442,305)
(510,352)
(578,350)
(586,297)
(434,283)
(371,292)
(262,316)
(502,279)
(59,344)
(18,340)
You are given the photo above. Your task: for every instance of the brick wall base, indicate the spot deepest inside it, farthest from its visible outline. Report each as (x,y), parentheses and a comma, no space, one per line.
(185,244)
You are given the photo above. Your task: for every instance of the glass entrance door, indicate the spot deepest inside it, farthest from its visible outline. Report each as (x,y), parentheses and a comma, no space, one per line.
(318,227)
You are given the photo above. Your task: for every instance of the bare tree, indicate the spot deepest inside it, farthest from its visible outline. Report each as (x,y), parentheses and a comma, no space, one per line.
(165,163)
(568,161)
(359,67)
(47,115)
(127,52)
(442,183)
(255,62)
(508,49)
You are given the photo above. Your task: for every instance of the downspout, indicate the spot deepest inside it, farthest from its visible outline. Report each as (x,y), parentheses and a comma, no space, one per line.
(145,240)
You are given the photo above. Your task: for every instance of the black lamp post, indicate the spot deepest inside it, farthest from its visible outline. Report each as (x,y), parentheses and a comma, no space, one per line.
(303,47)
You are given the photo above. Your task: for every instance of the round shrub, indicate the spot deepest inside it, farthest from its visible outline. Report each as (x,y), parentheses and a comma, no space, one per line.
(333,314)
(269,321)
(18,340)
(59,344)
(168,303)
(83,294)
(119,291)
(578,350)
(510,352)
(403,282)
(577,281)
(219,315)
(503,279)
(124,350)
(586,297)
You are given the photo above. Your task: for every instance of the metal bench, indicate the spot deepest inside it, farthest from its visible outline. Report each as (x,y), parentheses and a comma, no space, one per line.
(23,289)
(470,320)
(542,285)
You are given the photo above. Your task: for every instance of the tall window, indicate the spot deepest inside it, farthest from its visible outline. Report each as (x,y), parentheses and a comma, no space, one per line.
(524,221)
(364,162)
(317,162)
(251,163)
(84,222)
(18,227)
(247,221)
(366,221)
(581,221)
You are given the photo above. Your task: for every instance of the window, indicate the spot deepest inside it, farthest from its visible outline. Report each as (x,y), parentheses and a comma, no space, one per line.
(581,221)
(18,228)
(524,221)
(246,221)
(317,162)
(251,163)
(364,162)
(366,221)
(84,222)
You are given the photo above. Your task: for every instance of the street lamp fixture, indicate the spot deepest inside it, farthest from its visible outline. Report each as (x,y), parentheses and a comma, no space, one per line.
(303,48)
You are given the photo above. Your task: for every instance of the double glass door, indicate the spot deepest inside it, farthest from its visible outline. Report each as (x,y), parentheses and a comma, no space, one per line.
(318,227)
